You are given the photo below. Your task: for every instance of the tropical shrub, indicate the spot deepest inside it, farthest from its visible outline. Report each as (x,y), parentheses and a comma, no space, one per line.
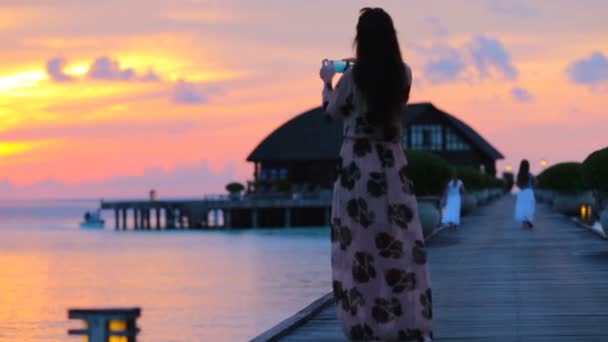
(563,177)
(595,170)
(472,178)
(235,187)
(429,172)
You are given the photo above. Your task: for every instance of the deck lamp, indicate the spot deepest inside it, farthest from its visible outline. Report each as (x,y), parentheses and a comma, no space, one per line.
(106,325)
(586,212)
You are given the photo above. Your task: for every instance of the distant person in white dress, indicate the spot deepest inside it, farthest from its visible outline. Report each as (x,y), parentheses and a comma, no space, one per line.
(454,191)
(524,206)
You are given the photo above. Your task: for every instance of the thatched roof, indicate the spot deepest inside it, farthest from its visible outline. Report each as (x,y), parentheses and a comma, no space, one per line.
(312,136)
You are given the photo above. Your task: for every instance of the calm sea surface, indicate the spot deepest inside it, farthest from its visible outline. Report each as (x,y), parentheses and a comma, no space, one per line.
(191,285)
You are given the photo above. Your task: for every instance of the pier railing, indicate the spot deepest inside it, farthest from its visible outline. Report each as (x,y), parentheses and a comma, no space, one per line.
(226,211)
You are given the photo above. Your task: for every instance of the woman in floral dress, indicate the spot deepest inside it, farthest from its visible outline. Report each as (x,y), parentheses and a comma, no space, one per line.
(381,280)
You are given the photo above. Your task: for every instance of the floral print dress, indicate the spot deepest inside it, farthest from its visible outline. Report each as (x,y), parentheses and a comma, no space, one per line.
(380,277)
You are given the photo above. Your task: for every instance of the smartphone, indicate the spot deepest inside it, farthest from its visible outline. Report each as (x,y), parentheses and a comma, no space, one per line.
(341,66)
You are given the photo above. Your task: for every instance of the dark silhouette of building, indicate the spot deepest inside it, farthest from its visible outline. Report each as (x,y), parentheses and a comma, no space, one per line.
(305,150)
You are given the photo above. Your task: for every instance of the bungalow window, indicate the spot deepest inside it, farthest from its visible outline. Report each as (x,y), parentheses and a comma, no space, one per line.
(264,175)
(454,142)
(427,137)
(283,173)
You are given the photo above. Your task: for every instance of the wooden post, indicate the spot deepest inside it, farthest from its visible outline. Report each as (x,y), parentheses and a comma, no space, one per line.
(116,218)
(158,218)
(143,218)
(180,218)
(169,218)
(148,225)
(287,217)
(124,219)
(254,217)
(227,218)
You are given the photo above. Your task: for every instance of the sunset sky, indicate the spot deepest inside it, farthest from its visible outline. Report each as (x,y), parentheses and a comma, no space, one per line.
(111,98)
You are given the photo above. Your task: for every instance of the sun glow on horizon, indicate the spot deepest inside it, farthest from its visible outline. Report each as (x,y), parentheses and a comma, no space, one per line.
(8,148)
(26,79)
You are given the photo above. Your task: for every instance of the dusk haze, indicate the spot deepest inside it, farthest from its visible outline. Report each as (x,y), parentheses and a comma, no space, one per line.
(175,95)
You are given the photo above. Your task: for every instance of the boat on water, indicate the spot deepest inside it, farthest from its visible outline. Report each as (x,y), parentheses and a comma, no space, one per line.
(92,220)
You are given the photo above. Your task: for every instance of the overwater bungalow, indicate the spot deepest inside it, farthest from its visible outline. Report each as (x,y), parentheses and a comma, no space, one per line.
(304,151)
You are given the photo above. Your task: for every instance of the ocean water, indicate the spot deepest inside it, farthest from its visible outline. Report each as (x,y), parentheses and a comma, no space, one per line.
(191,285)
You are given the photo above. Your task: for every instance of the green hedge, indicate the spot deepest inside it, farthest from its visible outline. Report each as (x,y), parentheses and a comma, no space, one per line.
(498,183)
(477,180)
(429,172)
(595,170)
(472,178)
(563,177)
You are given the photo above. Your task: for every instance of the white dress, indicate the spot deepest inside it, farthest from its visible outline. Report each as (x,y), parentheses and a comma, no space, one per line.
(524,206)
(452,207)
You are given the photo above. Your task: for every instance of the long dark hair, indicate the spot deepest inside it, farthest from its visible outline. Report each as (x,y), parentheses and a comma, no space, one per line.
(379,71)
(523,175)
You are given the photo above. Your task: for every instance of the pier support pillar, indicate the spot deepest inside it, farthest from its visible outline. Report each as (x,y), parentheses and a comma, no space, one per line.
(117,218)
(124,219)
(136,218)
(158,218)
(227,218)
(142,219)
(180,218)
(254,217)
(287,217)
(169,218)
(148,225)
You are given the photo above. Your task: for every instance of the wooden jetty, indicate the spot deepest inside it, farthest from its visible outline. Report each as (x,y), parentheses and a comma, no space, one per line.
(222,212)
(493,281)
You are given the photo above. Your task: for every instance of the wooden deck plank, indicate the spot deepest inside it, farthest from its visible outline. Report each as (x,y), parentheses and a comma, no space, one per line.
(493,281)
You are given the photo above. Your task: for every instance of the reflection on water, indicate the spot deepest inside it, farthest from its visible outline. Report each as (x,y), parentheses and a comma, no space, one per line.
(192,286)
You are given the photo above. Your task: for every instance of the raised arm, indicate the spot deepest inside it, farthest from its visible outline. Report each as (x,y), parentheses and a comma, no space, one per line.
(338,101)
